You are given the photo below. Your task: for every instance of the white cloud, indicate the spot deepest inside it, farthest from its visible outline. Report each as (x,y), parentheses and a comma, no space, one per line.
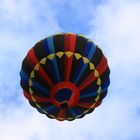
(21,26)
(35,18)
(115,27)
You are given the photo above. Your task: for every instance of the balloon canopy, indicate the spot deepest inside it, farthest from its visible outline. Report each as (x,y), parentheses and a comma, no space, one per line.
(65,76)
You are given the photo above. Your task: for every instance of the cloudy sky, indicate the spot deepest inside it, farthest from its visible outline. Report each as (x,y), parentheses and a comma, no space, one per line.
(114,25)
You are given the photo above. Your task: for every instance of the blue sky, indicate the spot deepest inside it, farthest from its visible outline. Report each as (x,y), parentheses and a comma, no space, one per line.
(114,25)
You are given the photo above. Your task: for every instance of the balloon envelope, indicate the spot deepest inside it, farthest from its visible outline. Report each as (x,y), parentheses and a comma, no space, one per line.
(65,76)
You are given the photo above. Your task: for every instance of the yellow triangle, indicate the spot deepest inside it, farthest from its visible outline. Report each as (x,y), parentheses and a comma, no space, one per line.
(99,90)
(77,55)
(48,36)
(36,67)
(32,74)
(96,73)
(69,33)
(68,54)
(30,82)
(50,56)
(86,111)
(30,91)
(39,106)
(33,99)
(97,98)
(51,115)
(60,54)
(81,35)
(85,60)
(69,118)
(99,81)
(64,102)
(90,41)
(93,105)
(43,61)
(92,67)
(58,33)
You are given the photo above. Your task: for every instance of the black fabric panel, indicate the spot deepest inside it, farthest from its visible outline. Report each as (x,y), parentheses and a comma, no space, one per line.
(48,68)
(32,104)
(47,104)
(91,87)
(68,114)
(92,98)
(105,75)
(79,109)
(103,94)
(79,48)
(88,99)
(80,45)
(54,112)
(95,60)
(36,92)
(85,74)
(38,49)
(59,42)
(59,47)
(24,86)
(61,66)
(75,64)
(39,80)
(97,56)
(26,66)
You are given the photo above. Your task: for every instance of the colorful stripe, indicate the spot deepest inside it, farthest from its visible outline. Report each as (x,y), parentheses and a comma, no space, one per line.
(100,68)
(88,53)
(33,61)
(70,40)
(51,50)
(77,61)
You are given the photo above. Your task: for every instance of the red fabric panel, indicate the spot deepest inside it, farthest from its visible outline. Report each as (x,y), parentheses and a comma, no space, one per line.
(70,41)
(38,99)
(33,61)
(61,115)
(84,104)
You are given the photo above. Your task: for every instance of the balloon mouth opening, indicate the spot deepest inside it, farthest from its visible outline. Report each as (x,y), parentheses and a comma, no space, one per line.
(64,95)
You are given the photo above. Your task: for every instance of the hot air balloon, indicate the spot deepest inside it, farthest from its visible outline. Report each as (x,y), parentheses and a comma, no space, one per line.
(65,76)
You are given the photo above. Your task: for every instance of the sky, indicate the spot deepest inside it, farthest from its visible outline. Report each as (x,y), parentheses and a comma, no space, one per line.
(114,25)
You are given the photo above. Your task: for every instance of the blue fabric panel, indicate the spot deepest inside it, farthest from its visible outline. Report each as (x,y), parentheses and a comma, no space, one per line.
(89,53)
(105,84)
(45,47)
(37,86)
(49,108)
(51,50)
(24,77)
(76,74)
(91,94)
(39,110)
(73,112)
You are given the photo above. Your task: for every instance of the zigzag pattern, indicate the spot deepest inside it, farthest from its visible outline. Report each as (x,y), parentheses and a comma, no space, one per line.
(75,63)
